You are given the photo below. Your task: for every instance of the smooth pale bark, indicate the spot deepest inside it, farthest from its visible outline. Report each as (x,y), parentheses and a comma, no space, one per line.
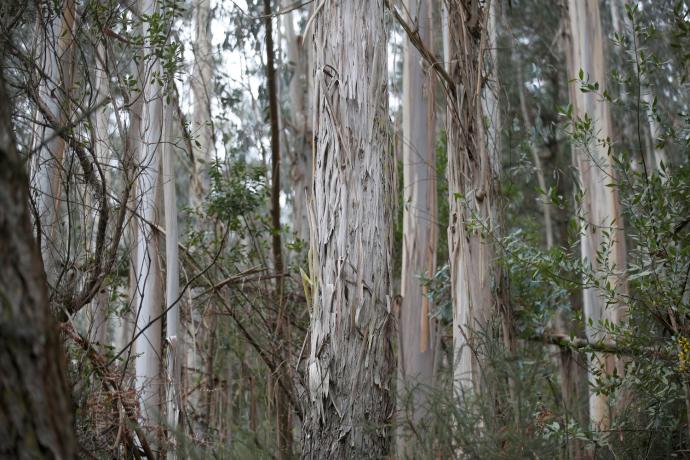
(172,281)
(202,89)
(350,364)
(199,330)
(48,146)
(132,146)
(36,418)
(417,329)
(600,203)
(472,170)
(148,345)
(298,123)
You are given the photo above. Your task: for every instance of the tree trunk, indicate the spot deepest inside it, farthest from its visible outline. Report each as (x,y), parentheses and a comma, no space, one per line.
(148,344)
(600,204)
(57,64)
(298,122)
(172,282)
(350,365)
(472,169)
(202,90)
(282,331)
(35,409)
(420,233)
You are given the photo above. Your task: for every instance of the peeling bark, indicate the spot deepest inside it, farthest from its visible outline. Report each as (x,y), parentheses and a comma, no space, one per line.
(473,168)
(350,365)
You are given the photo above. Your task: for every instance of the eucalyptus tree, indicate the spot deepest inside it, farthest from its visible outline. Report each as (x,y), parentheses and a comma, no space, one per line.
(473,170)
(416,348)
(202,91)
(298,121)
(175,347)
(350,363)
(602,237)
(149,284)
(57,26)
(281,322)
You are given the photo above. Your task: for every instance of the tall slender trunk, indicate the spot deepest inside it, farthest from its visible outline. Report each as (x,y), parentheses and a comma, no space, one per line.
(172,281)
(202,90)
(420,229)
(600,203)
(148,344)
(282,331)
(350,364)
(199,332)
(99,306)
(36,418)
(57,59)
(298,122)
(472,169)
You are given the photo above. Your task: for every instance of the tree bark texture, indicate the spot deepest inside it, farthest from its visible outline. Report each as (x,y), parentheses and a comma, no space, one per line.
(420,228)
(472,169)
(350,365)
(36,418)
(601,209)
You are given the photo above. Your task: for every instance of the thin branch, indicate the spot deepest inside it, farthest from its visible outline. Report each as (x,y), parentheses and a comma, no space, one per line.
(417,42)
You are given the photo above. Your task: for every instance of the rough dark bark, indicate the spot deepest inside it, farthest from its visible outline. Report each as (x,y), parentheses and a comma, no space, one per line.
(351,364)
(35,410)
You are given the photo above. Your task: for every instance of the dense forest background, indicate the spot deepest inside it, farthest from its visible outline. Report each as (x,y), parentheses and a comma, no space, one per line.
(345,229)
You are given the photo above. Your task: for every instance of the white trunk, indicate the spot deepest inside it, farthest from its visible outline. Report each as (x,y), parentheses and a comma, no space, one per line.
(50,148)
(420,234)
(350,363)
(148,344)
(600,204)
(172,281)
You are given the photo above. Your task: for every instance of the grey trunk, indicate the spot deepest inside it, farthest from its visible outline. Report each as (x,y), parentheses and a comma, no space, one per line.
(351,362)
